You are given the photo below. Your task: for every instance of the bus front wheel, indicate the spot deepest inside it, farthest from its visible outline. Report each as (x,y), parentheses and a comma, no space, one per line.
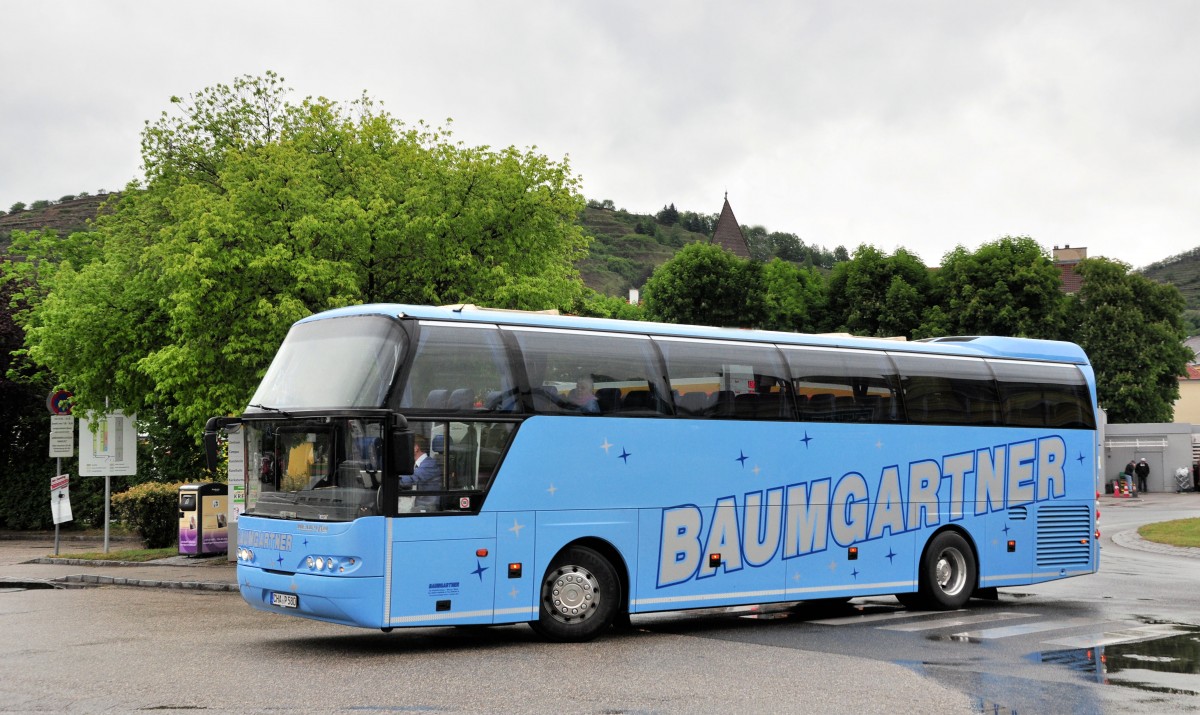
(579,596)
(947,575)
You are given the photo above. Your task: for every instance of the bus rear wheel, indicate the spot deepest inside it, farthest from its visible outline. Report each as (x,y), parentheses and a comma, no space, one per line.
(579,596)
(947,575)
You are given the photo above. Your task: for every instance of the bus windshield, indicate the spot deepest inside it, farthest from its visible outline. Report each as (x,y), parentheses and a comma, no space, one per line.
(320,470)
(344,363)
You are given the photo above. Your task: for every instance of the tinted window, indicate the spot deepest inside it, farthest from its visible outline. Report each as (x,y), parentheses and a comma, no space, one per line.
(726,379)
(331,363)
(947,390)
(843,385)
(1043,395)
(462,368)
(585,373)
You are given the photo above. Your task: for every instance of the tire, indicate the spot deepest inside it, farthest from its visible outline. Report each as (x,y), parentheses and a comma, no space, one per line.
(947,576)
(579,598)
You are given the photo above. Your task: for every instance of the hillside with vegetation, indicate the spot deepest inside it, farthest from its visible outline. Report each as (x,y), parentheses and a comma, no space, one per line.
(1183,272)
(627,247)
(67,215)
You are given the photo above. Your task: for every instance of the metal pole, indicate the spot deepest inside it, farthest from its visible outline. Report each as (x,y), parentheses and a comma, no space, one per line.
(58,471)
(107,488)
(107,492)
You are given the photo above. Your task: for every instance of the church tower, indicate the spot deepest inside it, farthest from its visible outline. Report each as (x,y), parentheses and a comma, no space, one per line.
(728,234)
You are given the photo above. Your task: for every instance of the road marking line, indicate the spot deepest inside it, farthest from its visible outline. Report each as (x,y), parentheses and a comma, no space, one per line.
(1103,638)
(1024,629)
(848,620)
(957,621)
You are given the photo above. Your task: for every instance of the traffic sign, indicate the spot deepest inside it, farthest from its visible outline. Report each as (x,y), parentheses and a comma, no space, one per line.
(62,436)
(59,402)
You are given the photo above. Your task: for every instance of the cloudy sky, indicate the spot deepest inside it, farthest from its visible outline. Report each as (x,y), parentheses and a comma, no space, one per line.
(921,125)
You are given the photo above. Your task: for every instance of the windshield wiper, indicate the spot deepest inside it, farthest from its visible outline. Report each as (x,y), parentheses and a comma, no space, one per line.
(265,408)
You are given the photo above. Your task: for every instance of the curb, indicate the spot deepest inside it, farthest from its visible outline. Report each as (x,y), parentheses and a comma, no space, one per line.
(1130,539)
(88,580)
(94,580)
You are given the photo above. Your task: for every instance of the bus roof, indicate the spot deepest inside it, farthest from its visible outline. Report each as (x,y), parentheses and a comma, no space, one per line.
(986,346)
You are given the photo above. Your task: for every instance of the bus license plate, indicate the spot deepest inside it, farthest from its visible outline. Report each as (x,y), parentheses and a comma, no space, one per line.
(285,600)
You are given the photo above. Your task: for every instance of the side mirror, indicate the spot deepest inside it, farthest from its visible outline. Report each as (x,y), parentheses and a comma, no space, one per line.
(400,452)
(212,430)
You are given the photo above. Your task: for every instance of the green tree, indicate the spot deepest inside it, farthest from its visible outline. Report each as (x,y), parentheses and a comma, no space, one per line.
(257,211)
(1006,287)
(875,294)
(669,216)
(24,421)
(18,206)
(793,299)
(703,284)
(1132,330)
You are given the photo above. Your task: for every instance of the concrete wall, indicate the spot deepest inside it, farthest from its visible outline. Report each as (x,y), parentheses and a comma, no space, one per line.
(1164,446)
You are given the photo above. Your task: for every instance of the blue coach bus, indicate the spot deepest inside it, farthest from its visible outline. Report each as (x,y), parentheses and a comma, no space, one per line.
(574,470)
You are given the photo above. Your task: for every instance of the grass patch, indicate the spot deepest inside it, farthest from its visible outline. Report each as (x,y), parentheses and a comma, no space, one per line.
(135,555)
(1180,532)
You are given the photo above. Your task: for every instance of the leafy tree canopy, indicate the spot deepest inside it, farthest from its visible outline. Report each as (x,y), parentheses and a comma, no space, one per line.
(1006,287)
(874,294)
(703,284)
(257,211)
(1132,330)
(794,297)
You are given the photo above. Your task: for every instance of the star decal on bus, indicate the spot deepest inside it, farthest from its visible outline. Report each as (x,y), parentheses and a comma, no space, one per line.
(741,458)
(854,573)
(479,569)
(516,529)
(606,446)
(1080,458)
(806,439)
(890,555)
(552,489)
(625,455)
(513,593)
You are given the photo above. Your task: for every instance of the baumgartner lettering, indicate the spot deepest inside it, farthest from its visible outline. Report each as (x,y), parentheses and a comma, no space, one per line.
(264,540)
(800,518)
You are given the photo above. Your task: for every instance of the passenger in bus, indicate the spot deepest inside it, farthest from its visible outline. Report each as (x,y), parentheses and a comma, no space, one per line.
(426,474)
(584,396)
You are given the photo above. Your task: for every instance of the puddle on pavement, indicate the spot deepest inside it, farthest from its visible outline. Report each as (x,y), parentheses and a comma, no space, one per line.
(1167,664)
(15,586)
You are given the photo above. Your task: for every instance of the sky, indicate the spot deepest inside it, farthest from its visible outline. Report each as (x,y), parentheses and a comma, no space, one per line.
(915,125)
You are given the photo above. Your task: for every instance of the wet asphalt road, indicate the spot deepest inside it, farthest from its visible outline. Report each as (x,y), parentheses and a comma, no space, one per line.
(1102,643)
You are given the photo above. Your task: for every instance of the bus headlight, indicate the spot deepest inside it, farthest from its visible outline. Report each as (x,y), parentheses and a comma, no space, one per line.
(320,563)
(244,554)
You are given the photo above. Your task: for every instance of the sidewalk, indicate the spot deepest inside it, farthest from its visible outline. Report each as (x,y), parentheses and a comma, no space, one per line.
(25,563)
(1167,506)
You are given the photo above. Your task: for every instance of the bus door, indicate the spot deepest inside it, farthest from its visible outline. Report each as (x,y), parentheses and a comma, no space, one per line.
(443,570)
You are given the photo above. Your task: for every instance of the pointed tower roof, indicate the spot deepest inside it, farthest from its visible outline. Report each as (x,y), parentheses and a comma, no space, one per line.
(728,234)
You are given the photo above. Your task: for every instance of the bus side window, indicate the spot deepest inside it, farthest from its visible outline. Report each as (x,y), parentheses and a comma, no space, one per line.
(461,369)
(727,379)
(573,372)
(844,385)
(1043,395)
